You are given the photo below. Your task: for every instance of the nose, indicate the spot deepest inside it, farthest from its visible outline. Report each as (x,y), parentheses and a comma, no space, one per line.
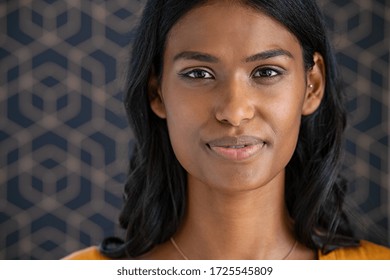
(235,104)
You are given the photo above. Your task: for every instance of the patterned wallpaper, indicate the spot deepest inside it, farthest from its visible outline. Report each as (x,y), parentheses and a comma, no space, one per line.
(64,141)
(360,33)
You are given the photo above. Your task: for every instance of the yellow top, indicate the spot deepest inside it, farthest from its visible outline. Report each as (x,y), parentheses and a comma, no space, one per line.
(366,251)
(90,253)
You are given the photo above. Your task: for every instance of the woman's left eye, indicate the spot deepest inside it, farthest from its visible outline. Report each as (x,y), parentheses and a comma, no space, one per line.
(266,73)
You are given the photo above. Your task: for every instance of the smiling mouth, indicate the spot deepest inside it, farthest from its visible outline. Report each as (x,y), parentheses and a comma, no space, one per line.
(236,148)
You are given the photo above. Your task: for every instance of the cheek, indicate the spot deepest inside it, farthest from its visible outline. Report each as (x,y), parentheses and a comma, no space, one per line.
(286,121)
(185,119)
(288,131)
(289,106)
(183,115)
(186,109)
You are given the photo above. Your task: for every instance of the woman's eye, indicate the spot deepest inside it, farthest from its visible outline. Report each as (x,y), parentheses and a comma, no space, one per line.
(198,74)
(265,73)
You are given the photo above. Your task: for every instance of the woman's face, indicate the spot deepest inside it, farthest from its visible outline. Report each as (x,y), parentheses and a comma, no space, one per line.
(233,91)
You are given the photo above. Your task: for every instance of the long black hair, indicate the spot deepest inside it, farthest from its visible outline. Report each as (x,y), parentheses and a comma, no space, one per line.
(155,191)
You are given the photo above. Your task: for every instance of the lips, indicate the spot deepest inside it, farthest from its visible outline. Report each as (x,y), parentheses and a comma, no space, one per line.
(236,148)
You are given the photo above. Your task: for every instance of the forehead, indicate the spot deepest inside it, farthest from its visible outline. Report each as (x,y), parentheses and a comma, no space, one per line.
(230,27)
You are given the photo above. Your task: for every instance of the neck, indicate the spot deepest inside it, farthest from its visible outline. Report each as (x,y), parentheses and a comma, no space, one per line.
(250,224)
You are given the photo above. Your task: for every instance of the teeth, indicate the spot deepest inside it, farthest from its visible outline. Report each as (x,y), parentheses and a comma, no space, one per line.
(237,147)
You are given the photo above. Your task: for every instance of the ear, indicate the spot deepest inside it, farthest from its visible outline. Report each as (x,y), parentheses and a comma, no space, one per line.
(155,97)
(315,88)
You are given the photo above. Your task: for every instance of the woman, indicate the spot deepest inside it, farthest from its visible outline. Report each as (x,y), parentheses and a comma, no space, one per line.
(238,117)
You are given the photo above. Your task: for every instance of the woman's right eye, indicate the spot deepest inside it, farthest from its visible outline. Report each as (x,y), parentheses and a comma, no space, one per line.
(197,74)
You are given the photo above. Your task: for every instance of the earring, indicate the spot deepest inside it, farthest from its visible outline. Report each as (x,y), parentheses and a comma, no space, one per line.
(310,86)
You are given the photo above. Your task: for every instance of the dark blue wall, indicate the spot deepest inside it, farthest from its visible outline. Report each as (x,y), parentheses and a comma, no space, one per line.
(64,140)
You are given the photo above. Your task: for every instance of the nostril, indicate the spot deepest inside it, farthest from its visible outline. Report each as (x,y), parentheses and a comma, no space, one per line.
(235,118)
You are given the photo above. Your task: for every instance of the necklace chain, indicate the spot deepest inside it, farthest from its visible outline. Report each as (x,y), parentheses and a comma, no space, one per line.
(178,249)
(186,258)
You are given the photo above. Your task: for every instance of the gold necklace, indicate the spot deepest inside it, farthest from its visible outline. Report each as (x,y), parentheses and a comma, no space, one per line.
(186,258)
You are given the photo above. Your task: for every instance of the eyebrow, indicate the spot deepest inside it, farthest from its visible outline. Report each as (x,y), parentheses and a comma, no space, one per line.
(203,57)
(189,55)
(269,54)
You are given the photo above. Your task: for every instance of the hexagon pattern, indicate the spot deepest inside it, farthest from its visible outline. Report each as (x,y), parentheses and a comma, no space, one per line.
(64,139)
(360,33)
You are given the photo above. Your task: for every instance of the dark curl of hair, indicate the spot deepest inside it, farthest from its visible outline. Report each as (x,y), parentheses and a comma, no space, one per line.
(155,191)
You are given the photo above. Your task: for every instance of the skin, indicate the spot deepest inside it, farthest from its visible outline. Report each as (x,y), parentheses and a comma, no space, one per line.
(233,111)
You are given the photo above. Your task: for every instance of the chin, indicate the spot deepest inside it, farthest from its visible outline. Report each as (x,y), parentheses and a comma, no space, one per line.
(244,179)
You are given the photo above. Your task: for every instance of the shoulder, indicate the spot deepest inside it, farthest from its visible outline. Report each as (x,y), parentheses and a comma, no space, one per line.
(365,251)
(90,253)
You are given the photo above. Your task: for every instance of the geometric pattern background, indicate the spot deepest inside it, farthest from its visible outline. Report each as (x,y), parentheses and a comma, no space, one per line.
(64,139)
(360,32)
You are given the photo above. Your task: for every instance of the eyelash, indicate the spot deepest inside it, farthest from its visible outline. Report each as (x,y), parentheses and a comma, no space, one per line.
(188,74)
(266,70)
